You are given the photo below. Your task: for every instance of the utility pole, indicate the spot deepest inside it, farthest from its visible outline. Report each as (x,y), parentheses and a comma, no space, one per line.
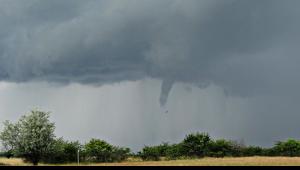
(78,157)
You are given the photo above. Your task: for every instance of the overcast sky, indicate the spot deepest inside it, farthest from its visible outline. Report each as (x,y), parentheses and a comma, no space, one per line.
(110,69)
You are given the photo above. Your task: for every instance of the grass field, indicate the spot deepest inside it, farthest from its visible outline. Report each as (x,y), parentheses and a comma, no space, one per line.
(244,161)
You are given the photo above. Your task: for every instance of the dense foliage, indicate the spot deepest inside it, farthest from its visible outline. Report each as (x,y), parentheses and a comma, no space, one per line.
(220,148)
(62,152)
(33,139)
(196,144)
(201,145)
(290,147)
(154,153)
(100,151)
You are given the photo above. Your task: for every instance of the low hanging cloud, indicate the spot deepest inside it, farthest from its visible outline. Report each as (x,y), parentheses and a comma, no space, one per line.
(247,47)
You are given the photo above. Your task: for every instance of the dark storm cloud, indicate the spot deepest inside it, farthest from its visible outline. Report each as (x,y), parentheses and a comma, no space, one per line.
(244,46)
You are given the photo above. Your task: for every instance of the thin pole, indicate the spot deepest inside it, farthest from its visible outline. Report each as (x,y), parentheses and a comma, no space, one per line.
(78,157)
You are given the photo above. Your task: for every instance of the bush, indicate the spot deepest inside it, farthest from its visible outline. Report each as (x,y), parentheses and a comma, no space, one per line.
(253,151)
(174,151)
(95,151)
(162,149)
(196,145)
(71,150)
(269,152)
(221,148)
(120,154)
(154,152)
(98,150)
(62,152)
(149,153)
(237,148)
(289,148)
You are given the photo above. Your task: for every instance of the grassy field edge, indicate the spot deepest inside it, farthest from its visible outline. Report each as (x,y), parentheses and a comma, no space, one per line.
(241,161)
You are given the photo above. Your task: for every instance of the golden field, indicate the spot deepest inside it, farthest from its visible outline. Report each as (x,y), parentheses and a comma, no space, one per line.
(243,161)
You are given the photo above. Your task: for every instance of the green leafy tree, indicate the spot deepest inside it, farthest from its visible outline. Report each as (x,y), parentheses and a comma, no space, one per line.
(31,137)
(9,137)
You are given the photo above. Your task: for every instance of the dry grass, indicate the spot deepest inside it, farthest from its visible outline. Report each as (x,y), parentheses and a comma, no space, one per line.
(244,161)
(12,162)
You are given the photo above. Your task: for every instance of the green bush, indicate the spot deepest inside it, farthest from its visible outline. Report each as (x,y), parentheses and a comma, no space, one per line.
(98,150)
(220,148)
(237,148)
(200,145)
(196,145)
(154,152)
(269,152)
(150,153)
(253,151)
(290,147)
(71,150)
(62,152)
(120,154)
(162,149)
(174,151)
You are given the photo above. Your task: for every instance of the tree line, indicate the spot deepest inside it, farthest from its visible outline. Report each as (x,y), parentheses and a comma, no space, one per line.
(198,145)
(32,138)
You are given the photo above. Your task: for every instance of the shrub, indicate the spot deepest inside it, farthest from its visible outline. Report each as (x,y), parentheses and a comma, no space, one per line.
(62,152)
(237,148)
(269,152)
(98,150)
(220,148)
(71,150)
(162,149)
(120,154)
(253,151)
(149,153)
(196,144)
(289,148)
(154,152)
(174,151)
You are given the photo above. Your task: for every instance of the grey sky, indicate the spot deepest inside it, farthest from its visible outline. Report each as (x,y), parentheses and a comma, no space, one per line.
(239,59)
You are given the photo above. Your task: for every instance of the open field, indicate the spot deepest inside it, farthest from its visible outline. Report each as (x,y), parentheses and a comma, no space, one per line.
(244,161)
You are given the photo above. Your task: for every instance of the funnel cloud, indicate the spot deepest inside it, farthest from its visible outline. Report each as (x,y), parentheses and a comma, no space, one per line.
(165,90)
